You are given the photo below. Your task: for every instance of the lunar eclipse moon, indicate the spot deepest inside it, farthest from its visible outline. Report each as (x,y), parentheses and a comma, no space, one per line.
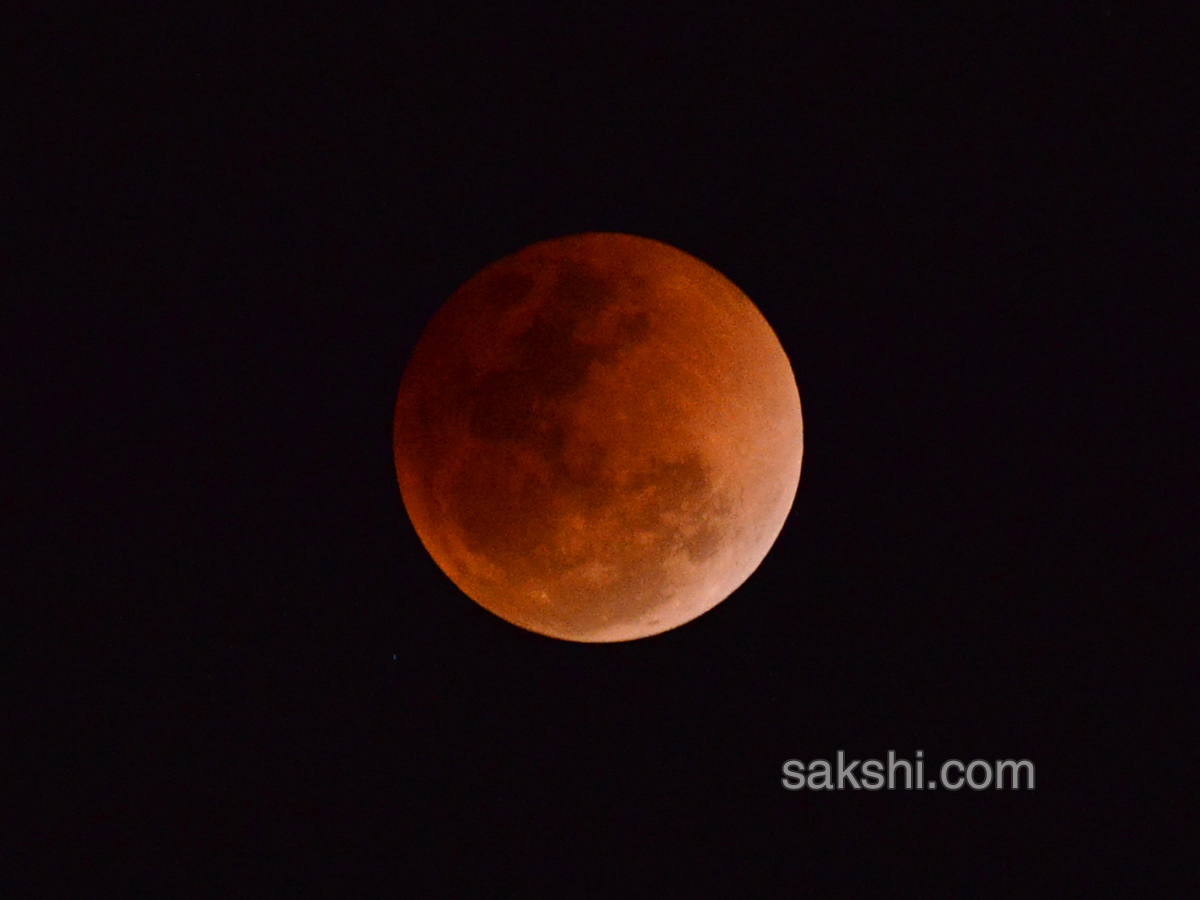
(598,438)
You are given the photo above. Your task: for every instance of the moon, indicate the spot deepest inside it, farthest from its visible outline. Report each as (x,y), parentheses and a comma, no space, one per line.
(598,438)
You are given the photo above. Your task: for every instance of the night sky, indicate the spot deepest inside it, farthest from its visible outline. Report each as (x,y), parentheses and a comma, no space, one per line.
(226,234)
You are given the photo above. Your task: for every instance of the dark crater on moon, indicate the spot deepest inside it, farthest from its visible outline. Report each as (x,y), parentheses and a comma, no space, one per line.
(510,404)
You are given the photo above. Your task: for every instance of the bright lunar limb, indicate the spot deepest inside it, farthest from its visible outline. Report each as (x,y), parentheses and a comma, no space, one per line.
(598,438)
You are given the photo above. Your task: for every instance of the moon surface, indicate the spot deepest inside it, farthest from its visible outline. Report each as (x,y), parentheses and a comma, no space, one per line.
(598,438)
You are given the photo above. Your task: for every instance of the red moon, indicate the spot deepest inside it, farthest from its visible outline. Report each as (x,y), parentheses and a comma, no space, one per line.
(598,438)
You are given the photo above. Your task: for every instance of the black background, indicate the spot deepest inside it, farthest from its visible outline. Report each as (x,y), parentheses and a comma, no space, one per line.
(227,232)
